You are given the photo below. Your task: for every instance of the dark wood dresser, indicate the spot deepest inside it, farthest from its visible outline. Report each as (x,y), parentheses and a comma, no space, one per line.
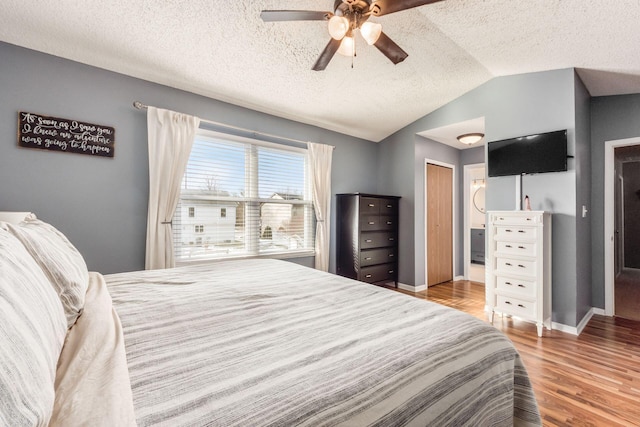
(367,237)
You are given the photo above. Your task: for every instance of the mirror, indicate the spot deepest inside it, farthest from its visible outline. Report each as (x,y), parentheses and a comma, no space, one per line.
(478,199)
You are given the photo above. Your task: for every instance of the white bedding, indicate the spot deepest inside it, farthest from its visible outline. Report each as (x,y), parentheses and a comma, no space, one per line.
(92,385)
(265,342)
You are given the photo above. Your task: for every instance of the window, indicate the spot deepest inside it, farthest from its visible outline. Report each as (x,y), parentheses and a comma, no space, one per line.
(253,197)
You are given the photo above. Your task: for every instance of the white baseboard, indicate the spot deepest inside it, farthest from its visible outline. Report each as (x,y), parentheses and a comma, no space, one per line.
(457,278)
(564,328)
(410,288)
(577,330)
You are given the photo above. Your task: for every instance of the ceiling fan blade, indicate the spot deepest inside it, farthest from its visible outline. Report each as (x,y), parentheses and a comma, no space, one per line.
(294,15)
(385,7)
(390,49)
(326,55)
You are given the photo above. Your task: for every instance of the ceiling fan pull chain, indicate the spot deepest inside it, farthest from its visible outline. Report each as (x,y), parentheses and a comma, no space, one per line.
(354,53)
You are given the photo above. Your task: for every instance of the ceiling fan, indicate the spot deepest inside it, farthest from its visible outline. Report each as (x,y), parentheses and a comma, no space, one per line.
(348,17)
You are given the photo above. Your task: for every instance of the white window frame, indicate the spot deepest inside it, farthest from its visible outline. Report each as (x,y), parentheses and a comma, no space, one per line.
(252,201)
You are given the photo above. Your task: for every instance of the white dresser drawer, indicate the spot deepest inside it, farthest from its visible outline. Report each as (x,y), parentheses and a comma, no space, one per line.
(516,232)
(516,218)
(516,286)
(516,306)
(516,248)
(517,266)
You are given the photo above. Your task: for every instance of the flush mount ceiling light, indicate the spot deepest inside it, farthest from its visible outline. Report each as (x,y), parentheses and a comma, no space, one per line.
(349,17)
(470,138)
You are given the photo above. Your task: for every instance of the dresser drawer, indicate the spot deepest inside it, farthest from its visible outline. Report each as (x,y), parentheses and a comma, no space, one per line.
(377,256)
(378,222)
(389,207)
(516,248)
(516,232)
(527,268)
(377,239)
(519,218)
(370,205)
(516,286)
(516,306)
(378,273)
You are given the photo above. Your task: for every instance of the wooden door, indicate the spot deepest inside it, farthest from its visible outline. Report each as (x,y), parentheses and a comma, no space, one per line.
(439,224)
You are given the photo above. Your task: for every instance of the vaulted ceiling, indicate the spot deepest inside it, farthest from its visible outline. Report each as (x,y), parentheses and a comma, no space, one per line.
(222,49)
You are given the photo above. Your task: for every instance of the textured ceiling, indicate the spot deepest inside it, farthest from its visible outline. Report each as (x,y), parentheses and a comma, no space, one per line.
(223,50)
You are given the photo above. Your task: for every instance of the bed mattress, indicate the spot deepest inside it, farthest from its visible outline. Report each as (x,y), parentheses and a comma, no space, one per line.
(272,343)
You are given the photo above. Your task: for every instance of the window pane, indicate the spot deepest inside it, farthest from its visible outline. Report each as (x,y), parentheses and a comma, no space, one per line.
(281,174)
(282,227)
(216,166)
(209,234)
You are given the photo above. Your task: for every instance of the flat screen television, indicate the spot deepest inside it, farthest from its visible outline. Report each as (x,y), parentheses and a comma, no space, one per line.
(543,152)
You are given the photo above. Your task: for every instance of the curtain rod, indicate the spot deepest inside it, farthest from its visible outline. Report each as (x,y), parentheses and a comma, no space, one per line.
(140,106)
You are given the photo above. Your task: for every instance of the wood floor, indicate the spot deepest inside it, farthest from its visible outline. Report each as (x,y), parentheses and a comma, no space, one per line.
(590,380)
(627,294)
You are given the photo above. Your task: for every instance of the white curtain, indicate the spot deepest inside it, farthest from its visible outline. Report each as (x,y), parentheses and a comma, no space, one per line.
(171,137)
(320,156)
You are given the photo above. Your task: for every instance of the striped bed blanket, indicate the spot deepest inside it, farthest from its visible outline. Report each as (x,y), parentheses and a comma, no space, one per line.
(272,343)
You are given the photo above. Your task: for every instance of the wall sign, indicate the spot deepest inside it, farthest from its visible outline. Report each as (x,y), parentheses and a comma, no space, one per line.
(53,133)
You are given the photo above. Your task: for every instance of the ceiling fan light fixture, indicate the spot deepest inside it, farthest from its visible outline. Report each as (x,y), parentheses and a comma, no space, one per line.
(371,32)
(347,47)
(470,138)
(338,27)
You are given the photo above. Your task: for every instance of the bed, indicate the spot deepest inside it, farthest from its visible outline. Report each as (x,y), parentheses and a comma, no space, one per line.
(271,343)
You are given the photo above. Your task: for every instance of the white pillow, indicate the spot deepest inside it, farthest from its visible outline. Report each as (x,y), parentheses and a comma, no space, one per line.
(61,262)
(31,337)
(13,217)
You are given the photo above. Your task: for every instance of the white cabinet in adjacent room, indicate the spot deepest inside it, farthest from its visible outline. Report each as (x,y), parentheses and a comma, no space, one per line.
(518,270)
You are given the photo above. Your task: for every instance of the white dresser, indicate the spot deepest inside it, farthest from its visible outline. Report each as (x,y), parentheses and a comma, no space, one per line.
(518,270)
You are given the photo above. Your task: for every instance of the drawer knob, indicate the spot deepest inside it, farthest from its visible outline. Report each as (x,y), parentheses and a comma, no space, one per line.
(521,231)
(520,285)
(391,239)
(508,302)
(368,276)
(528,219)
(522,266)
(391,271)
(371,205)
(389,206)
(508,231)
(508,283)
(389,222)
(521,306)
(391,255)
(367,258)
(521,247)
(371,222)
(368,241)
(509,264)
(509,246)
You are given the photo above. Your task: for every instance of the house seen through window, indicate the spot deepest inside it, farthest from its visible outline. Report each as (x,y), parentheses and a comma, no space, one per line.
(242,197)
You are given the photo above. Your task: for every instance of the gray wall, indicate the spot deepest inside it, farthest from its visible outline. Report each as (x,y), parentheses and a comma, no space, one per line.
(100,203)
(511,106)
(583,198)
(612,118)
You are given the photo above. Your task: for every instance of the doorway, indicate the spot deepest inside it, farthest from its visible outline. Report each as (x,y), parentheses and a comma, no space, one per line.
(439,218)
(474,222)
(627,232)
(621,274)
